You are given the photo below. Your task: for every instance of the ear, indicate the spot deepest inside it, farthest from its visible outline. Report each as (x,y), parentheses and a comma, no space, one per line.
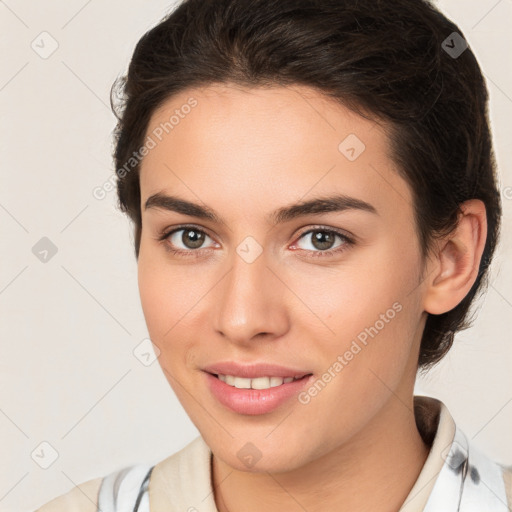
(456,262)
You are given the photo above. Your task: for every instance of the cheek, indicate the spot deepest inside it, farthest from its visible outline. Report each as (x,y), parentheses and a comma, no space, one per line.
(171,299)
(166,291)
(154,299)
(369,316)
(352,295)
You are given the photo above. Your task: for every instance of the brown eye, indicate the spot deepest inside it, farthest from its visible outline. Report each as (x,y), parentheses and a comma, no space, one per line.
(193,237)
(322,241)
(185,239)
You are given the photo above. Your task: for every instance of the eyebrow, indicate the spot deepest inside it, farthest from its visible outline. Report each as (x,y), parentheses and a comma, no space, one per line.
(332,203)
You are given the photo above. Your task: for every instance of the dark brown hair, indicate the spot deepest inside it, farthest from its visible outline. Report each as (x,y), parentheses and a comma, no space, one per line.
(396,61)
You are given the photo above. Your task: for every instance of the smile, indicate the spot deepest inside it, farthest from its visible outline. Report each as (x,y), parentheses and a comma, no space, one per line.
(257,383)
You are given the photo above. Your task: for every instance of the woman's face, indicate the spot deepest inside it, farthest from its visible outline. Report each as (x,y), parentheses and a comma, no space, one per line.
(330,290)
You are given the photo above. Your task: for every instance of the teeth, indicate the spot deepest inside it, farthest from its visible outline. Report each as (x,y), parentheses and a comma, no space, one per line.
(256,383)
(260,383)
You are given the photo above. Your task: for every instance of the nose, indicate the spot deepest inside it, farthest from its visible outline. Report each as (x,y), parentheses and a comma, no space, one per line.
(250,301)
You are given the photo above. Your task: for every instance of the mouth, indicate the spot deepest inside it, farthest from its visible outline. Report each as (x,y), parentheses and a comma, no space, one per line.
(258,395)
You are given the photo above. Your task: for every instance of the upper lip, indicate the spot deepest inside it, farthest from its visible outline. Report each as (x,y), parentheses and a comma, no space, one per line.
(254,370)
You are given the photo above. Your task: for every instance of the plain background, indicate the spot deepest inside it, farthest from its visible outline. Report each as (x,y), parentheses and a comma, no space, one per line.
(70,325)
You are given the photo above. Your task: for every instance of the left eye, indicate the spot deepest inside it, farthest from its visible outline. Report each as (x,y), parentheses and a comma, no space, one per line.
(323,239)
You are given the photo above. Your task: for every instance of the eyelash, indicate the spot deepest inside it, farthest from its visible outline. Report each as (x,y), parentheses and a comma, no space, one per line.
(194,253)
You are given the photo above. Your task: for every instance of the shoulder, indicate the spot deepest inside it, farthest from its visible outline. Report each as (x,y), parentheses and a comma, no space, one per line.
(180,475)
(82,498)
(182,481)
(128,484)
(456,470)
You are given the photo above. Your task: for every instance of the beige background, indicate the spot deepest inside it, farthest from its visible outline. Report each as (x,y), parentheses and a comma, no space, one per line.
(69,327)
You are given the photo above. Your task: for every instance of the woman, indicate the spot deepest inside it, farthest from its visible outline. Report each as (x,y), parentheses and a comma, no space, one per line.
(313,191)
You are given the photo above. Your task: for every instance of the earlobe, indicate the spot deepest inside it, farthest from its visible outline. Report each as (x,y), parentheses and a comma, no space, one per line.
(456,263)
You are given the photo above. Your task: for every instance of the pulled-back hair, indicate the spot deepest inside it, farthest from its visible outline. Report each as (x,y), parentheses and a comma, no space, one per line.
(388,60)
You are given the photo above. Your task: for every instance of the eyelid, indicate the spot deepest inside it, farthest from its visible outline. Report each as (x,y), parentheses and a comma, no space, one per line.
(329,229)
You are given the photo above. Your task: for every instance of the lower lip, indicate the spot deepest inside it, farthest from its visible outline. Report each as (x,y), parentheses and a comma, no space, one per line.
(254,401)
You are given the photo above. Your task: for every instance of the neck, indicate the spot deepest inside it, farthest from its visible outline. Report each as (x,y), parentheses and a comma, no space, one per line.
(374,471)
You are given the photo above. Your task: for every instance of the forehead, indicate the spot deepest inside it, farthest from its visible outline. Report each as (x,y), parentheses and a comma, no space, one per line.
(238,142)
(293,115)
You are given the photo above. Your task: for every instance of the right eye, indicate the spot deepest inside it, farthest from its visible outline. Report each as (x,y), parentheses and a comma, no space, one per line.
(184,240)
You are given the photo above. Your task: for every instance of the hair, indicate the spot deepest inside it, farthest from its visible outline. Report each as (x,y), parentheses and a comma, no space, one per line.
(383,59)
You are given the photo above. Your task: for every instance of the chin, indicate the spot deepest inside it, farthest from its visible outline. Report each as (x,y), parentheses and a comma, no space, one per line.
(260,455)
(274,463)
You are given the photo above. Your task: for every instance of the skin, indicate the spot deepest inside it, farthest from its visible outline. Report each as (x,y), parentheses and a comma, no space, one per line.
(245,153)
